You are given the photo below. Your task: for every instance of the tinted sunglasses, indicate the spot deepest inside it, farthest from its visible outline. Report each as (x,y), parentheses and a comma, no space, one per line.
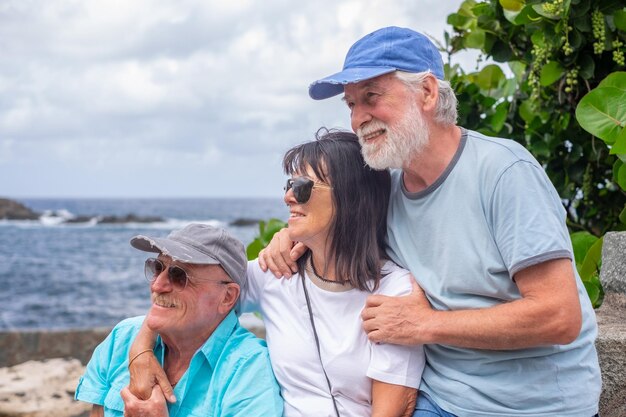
(177,276)
(302,187)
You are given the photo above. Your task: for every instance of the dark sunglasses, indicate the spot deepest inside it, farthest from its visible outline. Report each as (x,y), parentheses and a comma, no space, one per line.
(302,187)
(177,276)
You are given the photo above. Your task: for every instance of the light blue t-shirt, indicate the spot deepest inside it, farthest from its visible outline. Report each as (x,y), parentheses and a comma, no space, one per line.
(492,213)
(230,375)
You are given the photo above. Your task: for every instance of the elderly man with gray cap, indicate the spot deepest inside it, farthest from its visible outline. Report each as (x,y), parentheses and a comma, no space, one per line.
(507,327)
(217,368)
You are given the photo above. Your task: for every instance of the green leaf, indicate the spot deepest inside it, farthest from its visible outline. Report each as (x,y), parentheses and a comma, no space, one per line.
(615,79)
(622,216)
(587,67)
(501,51)
(593,259)
(459,21)
(619,147)
(475,39)
(602,112)
(581,242)
(621,177)
(253,249)
(499,117)
(550,73)
(526,111)
(593,291)
(619,18)
(266,232)
(489,77)
(512,5)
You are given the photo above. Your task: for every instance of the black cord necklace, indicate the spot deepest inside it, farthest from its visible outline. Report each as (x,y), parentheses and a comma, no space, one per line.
(321,278)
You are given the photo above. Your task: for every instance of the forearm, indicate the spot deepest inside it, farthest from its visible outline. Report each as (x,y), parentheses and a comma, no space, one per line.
(515,325)
(389,400)
(547,313)
(145,340)
(97,411)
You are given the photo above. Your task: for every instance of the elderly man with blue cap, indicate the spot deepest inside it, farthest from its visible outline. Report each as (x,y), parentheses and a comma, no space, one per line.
(217,368)
(507,326)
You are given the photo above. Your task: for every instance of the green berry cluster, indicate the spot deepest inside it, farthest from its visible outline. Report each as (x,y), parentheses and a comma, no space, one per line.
(553,7)
(540,55)
(599,31)
(618,53)
(567,48)
(571,79)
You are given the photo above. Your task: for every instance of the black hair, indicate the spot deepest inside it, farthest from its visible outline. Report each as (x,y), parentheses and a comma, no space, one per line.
(360,196)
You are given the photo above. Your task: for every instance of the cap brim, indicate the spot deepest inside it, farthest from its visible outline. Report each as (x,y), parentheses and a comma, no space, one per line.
(177,250)
(333,84)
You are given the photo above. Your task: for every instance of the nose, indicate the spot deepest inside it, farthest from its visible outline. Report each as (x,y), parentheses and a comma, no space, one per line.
(289,198)
(359,116)
(161,283)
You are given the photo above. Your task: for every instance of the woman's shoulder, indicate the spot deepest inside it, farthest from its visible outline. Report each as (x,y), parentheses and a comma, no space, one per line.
(395,280)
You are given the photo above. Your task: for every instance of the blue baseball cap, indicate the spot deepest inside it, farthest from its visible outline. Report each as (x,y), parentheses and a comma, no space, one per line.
(381,52)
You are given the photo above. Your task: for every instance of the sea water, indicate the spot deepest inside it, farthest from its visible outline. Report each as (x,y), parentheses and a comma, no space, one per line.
(56,275)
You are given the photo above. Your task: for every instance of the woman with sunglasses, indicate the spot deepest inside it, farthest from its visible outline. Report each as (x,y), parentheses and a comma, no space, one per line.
(322,359)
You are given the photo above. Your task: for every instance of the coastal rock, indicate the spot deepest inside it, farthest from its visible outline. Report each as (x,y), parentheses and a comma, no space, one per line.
(12,210)
(41,389)
(245,222)
(129,218)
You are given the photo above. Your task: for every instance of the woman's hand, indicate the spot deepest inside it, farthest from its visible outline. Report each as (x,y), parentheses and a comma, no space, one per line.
(154,406)
(145,370)
(146,373)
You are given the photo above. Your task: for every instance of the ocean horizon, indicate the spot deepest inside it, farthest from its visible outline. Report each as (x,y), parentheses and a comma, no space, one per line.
(60,275)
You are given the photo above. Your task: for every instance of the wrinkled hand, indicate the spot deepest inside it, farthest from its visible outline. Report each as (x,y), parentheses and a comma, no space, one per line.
(154,406)
(145,374)
(397,320)
(280,255)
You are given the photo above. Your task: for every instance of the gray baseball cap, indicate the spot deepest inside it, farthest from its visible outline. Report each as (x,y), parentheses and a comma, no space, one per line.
(201,244)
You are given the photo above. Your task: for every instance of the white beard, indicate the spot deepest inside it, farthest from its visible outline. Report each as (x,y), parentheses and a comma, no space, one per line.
(403,142)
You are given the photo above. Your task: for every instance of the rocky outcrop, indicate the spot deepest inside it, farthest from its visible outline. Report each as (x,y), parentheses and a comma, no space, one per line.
(12,210)
(41,389)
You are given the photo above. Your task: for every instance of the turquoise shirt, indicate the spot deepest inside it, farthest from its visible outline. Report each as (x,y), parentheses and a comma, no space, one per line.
(230,375)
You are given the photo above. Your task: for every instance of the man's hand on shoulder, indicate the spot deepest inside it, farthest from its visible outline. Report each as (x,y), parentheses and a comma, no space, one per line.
(398,320)
(281,254)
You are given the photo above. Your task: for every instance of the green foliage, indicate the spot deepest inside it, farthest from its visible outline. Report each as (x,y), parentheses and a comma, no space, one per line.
(564,101)
(266,231)
(558,51)
(588,254)
(602,112)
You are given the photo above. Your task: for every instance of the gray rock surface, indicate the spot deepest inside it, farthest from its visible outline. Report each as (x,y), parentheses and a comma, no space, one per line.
(613,271)
(12,210)
(41,389)
(611,346)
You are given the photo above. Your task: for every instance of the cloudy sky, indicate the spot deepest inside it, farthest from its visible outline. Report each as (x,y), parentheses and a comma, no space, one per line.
(158,98)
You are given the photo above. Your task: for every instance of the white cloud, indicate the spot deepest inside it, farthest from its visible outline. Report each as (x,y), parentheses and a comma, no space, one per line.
(116,97)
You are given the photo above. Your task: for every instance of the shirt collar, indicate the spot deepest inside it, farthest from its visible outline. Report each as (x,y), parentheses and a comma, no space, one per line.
(213,347)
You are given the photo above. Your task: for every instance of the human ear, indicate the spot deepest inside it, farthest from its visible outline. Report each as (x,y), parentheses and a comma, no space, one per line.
(229,299)
(430,94)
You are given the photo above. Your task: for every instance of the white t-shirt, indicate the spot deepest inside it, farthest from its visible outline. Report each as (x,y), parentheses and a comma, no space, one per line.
(349,358)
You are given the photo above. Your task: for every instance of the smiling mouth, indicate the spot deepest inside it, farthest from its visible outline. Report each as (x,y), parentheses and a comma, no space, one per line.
(371,135)
(296,214)
(162,302)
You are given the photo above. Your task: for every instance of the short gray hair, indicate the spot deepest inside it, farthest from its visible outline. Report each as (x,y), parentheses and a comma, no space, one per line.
(446,111)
